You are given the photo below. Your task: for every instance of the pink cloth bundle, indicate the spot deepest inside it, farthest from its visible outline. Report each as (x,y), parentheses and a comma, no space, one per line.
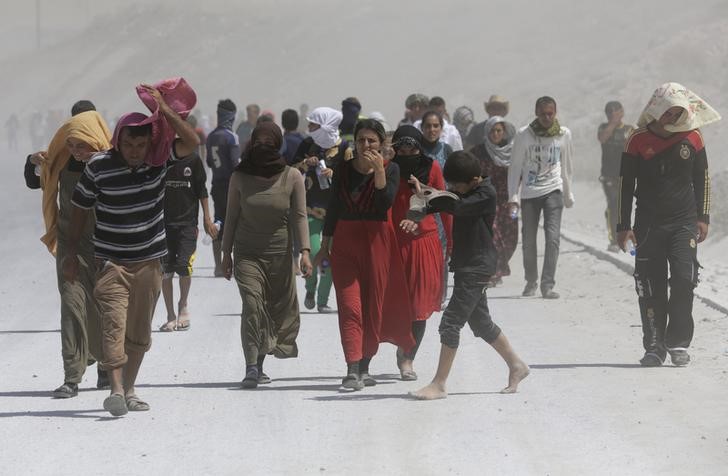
(180,97)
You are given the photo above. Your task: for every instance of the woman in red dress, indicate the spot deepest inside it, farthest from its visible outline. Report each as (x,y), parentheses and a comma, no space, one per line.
(421,253)
(359,241)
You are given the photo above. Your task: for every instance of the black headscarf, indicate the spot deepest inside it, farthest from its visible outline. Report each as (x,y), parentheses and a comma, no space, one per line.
(262,156)
(418,165)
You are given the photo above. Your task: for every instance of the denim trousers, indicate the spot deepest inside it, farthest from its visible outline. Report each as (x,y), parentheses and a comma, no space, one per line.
(551,204)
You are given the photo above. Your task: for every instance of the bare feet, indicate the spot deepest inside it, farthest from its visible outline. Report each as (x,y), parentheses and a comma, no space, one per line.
(517,373)
(431,392)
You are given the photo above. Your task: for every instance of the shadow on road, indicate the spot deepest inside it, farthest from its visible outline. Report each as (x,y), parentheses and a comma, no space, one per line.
(93,414)
(586,366)
(191,385)
(31,331)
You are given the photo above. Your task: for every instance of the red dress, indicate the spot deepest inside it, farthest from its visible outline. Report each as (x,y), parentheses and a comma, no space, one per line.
(365,266)
(421,254)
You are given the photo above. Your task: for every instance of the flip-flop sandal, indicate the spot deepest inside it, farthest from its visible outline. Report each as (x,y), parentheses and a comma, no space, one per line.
(168,326)
(408,375)
(183,325)
(135,404)
(115,404)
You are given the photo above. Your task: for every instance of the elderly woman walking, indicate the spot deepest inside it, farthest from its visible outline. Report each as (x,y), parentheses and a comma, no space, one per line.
(264,195)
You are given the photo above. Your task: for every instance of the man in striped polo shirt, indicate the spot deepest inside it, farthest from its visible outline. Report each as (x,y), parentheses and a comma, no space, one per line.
(129,240)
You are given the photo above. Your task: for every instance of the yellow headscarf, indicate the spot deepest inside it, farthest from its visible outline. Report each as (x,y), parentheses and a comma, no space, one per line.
(88,127)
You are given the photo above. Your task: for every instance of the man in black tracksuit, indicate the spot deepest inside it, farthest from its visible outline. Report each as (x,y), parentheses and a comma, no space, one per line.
(670,171)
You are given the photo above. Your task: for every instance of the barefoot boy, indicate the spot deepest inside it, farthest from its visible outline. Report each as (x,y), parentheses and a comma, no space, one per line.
(473,262)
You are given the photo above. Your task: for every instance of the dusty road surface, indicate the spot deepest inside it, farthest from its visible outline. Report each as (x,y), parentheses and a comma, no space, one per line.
(587,407)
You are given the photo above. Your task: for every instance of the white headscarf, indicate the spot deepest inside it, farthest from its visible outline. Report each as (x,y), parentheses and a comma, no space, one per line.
(500,155)
(329,119)
(697,113)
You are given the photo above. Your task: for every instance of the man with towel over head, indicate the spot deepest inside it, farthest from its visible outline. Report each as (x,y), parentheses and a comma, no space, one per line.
(125,186)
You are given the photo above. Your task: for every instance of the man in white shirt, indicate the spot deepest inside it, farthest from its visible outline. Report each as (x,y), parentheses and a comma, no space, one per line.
(539,178)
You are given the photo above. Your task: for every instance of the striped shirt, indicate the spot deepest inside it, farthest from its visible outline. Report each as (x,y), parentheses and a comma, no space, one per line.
(129,205)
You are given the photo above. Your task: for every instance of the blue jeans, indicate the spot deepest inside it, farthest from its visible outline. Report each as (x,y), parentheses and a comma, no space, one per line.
(552,204)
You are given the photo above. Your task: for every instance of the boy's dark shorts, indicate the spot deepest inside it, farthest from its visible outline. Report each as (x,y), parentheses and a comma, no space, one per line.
(181,246)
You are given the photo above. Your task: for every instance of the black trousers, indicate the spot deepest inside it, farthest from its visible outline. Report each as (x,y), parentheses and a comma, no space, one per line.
(667,320)
(468,303)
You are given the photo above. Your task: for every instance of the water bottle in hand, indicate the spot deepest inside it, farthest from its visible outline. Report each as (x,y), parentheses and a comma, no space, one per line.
(207,239)
(324,182)
(514,213)
(631,248)
(324,265)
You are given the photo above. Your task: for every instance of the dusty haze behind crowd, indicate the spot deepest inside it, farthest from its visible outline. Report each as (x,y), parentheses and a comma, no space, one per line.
(284,53)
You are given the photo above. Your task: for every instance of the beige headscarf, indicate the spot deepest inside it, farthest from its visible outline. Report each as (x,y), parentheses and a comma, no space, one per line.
(697,113)
(88,127)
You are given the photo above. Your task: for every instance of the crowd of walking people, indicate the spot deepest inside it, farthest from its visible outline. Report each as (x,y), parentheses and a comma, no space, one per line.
(380,216)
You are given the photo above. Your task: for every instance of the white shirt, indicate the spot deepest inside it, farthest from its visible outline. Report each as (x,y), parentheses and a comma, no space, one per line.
(540,165)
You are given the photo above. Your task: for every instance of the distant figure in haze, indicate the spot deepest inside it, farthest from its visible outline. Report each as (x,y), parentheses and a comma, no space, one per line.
(266,205)
(415,105)
(613,136)
(449,133)
(246,127)
(291,136)
(223,155)
(351,113)
(35,128)
(494,155)
(464,120)
(200,131)
(12,125)
(494,106)
(540,179)
(59,170)
(473,262)
(303,112)
(666,162)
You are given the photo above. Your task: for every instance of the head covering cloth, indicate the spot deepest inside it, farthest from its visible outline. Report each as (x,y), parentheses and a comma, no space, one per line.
(88,127)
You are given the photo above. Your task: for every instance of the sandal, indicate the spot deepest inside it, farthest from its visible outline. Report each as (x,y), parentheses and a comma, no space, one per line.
(115,404)
(251,378)
(183,319)
(135,404)
(408,375)
(168,326)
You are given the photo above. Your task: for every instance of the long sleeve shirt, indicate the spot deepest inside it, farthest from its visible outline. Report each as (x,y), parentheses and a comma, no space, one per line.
(259,210)
(540,165)
(354,196)
(669,177)
(473,250)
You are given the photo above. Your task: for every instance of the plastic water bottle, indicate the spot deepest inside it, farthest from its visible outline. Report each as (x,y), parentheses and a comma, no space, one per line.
(631,248)
(514,213)
(207,239)
(324,265)
(323,181)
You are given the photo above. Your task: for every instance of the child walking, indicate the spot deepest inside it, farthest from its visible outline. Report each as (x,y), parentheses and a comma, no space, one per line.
(473,263)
